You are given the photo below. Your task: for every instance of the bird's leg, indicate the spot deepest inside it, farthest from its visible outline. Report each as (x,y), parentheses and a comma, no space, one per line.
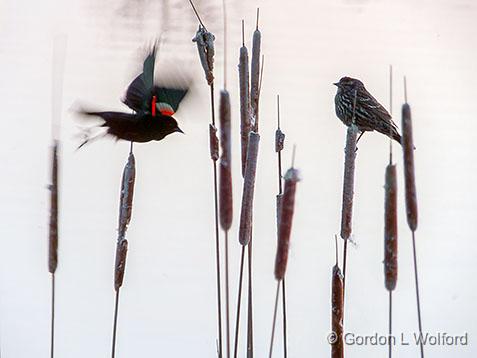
(357,140)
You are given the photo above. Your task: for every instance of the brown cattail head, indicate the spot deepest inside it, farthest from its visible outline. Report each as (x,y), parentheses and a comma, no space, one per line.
(292,177)
(205,46)
(279,210)
(337,305)
(213,143)
(348,182)
(246,214)
(409,178)
(244,103)
(120,265)
(53,235)
(255,78)
(390,228)
(226,204)
(279,140)
(126,199)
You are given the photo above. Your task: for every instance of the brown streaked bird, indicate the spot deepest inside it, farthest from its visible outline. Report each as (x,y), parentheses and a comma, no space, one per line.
(369,114)
(153,108)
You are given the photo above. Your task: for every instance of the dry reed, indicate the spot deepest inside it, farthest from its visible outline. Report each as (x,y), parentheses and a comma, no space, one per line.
(411,197)
(205,46)
(125,213)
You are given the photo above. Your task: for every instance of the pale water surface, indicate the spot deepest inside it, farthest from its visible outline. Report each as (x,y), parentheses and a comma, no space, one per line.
(168,299)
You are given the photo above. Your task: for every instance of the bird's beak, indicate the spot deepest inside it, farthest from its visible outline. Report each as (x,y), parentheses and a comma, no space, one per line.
(336,84)
(179,130)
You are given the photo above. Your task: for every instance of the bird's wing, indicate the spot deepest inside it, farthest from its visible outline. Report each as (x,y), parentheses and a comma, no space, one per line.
(372,108)
(136,94)
(169,99)
(138,91)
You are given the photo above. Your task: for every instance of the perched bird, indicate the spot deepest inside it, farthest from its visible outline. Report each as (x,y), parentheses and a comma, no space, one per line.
(352,99)
(153,108)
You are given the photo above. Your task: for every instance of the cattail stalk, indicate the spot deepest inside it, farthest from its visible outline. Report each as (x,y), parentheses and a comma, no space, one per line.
(411,198)
(125,213)
(390,227)
(255,86)
(53,238)
(58,68)
(279,145)
(205,46)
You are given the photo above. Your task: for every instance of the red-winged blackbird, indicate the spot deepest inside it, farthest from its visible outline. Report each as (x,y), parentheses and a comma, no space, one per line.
(153,108)
(369,114)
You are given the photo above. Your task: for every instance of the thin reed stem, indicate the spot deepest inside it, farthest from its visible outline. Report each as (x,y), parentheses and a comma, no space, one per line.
(115,324)
(250,303)
(418,300)
(274,321)
(390,346)
(52,326)
(217,239)
(239,299)
(227,292)
(279,144)
(197,15)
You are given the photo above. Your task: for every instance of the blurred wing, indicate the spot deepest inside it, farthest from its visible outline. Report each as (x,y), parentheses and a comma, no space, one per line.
(137,94)
(169,99)
(371,108)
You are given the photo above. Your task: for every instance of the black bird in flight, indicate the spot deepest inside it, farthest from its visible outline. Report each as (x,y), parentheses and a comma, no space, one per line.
(153,107)
(352,99)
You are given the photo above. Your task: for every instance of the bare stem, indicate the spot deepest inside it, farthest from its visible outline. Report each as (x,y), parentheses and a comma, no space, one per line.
(274,321)
(418,300)
(390,349)
(115,324)
(227,292)
(239,299)
(52,333)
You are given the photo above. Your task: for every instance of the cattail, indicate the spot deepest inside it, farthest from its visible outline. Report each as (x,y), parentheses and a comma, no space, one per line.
(53,236)
(120,265)
(244,103)
(245,229)
(279,140)
(205,47)
(213,143)
(390,228)
(337,309)
(127,192)
(409,179)
(348,182)
(286,218)
(255,77)
(226,204)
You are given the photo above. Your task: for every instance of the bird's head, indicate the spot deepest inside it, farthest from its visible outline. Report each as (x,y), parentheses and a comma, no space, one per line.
(349,84)
(171,125)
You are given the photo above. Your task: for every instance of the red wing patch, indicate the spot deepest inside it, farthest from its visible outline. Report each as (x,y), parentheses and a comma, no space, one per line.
(165,109)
